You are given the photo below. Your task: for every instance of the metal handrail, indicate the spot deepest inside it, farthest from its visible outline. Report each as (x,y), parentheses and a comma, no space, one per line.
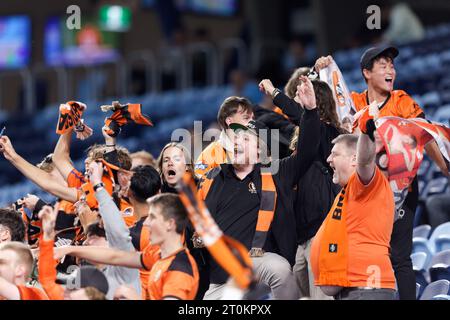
(152,76)
(27,82)
(232,44)
(178,57)
(210,52)
(258,47)
(61,76)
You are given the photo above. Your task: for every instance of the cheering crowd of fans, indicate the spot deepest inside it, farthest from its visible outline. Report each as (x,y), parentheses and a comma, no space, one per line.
(319,218)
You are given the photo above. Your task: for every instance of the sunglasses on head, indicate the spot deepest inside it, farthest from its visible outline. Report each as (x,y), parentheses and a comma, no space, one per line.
(312,74)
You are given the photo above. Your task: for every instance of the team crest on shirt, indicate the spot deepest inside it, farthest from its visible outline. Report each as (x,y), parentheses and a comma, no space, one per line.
(200,166)
(157,275)
(333,247)
(252,188)
(128,212)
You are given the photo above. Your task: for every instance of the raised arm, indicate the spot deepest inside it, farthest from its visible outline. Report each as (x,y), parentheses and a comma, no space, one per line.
(47,264)
(61,155)
(290,107)
(365,158)
(117,232)
(366,150)
(102,255)
(38,176)
(293,167)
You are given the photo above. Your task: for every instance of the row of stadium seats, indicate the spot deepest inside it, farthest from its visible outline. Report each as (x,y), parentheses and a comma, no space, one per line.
(179,109)
(431,256)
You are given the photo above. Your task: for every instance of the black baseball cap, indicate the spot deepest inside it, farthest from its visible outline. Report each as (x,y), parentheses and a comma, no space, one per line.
(253,127)
(88,276)
(374,52)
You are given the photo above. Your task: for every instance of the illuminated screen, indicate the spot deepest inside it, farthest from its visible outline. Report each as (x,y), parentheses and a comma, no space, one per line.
(87,46)
(15,38)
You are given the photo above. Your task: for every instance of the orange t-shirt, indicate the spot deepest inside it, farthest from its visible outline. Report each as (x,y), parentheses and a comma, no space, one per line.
(140,237)
(398,104)
(369,221)
(174,276)
(29,293)
(75,179)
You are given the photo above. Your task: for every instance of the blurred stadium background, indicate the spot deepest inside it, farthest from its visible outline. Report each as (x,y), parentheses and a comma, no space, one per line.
(180,59)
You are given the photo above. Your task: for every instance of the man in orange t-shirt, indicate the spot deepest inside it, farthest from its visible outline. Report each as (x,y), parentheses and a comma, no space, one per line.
(350,252)
(16,263)
(378,70)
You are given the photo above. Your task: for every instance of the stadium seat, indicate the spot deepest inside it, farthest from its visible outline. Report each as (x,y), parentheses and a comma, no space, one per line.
(422,231)
(441,297)
(440,266)
(435,186)
(434,289)
(419,261)
(421,245)
(443,232)
(442,243)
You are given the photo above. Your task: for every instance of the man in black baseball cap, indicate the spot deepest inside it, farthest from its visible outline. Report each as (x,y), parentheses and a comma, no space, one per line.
(370,54)
(261,132)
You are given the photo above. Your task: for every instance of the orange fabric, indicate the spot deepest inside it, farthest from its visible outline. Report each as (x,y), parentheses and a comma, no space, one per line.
(29,293)
(123,115)
(353,251)
(149,256)
(280,112)
(144,275)
(400,104)
(75,179)
(169,280)
(47,271)
(70,114)
(144,242)
(213,156)
(33,228)
(127,211)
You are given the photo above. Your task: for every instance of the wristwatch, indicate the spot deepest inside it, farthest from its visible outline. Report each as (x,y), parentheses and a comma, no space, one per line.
(98,186)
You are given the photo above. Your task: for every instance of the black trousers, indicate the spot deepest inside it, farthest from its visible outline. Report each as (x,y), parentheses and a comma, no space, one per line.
(401,246)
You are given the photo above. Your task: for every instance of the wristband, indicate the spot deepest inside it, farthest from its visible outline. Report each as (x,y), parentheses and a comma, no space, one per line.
(275,92)
(98,186)
(370,129)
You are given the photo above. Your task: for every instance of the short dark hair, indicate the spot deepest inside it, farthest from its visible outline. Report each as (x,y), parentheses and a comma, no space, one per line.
(145,182)
(369,66)
(171,207)
(230,106)
(95,229)
(12,220)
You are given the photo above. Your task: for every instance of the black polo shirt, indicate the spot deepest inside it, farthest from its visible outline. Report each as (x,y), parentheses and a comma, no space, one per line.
(234,203)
